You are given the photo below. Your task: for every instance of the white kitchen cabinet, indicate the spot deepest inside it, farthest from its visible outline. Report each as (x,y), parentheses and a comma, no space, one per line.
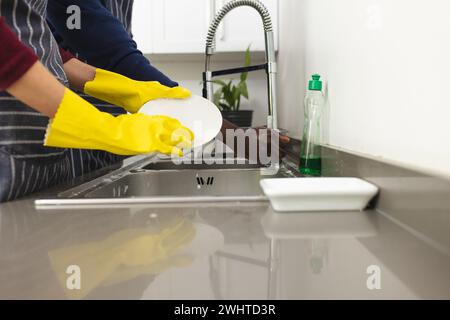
(141,25)
(180,26)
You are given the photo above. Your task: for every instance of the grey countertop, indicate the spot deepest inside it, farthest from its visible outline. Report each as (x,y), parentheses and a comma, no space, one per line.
(220,251)
(213,252)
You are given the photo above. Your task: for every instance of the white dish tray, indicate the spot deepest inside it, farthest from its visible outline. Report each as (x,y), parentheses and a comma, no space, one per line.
(318,194)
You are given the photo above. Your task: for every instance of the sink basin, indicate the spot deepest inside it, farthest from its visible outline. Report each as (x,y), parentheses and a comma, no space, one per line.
(164,182)
(185,185)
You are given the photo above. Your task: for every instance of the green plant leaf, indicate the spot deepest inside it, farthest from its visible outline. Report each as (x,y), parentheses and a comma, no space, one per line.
(248,57)
(227,88)
(247,63)
(244,90)
(218,97)
(238,106)
(236,94)
(244,76)
(228,95)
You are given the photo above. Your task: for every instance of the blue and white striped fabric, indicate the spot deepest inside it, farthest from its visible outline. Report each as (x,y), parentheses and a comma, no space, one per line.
(26,166)
(27,19)
(121,10)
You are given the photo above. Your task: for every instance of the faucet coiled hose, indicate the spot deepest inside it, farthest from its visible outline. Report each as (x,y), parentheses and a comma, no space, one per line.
(256,4)
(272,122)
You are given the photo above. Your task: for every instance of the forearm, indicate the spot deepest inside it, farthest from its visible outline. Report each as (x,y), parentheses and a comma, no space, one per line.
(78,73)
(15,58)
(39,89)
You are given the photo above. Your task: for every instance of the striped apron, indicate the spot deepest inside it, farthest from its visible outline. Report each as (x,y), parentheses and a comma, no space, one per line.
(26,166)
(122,10)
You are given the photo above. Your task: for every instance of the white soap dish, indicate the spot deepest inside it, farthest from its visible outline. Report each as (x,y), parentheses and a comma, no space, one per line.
(318,194)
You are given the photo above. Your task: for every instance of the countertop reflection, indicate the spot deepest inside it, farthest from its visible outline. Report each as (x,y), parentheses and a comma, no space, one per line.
(212,252)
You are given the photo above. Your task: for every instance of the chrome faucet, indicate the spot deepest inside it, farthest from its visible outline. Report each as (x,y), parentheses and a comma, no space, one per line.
(270,66)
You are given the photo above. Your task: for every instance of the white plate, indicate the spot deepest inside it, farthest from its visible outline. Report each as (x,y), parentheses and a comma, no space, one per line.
(318,194)
(196,113)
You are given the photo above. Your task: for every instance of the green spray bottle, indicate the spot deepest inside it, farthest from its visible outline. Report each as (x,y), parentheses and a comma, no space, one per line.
(311,151)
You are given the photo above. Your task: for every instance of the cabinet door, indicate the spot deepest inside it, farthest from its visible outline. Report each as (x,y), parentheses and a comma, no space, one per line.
(180,26)
(243,26)
(141,25)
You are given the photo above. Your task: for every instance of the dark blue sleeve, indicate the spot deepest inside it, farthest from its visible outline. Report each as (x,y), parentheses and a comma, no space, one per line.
(102,41)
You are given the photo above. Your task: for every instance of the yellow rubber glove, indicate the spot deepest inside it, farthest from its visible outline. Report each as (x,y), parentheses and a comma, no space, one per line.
(127,93)
(122,256)
(79,125)
(153,253)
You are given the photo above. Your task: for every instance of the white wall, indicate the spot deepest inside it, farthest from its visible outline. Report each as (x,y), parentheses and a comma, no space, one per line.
(387,63)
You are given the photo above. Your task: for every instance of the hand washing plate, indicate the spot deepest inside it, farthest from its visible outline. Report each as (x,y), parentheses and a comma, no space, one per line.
(198,114)
(318,194)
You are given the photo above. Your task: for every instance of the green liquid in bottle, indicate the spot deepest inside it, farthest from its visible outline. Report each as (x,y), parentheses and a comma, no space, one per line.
(311,166)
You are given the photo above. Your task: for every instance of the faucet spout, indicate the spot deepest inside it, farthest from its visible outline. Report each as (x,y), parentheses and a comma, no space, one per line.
(271,63)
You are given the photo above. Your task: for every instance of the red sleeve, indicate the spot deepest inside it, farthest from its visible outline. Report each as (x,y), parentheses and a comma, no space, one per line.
(15,58)
(65,55)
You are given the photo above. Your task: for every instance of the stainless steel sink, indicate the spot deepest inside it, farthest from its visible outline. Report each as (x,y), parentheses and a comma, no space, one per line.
(185,184)
(162,182)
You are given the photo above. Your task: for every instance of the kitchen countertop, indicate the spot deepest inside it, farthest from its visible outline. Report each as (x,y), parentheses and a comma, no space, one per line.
(220,251)
(216,252)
